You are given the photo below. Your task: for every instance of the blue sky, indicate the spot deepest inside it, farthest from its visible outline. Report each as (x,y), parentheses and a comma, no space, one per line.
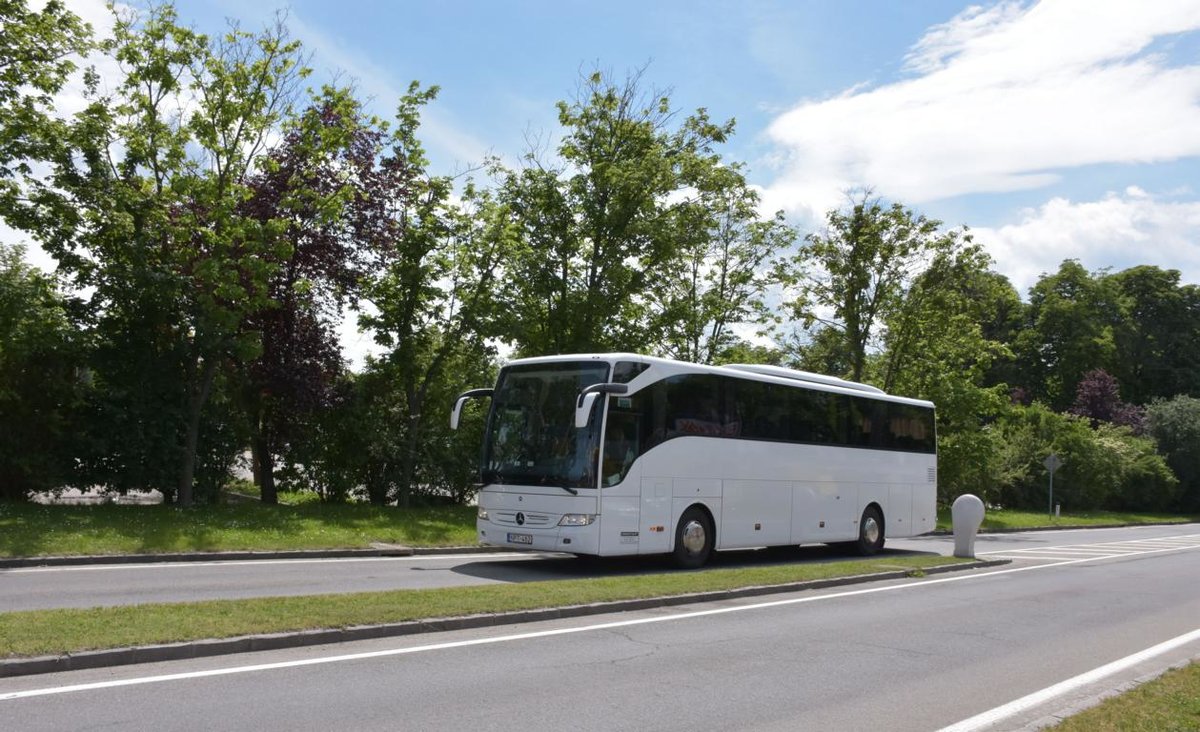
(1054,129)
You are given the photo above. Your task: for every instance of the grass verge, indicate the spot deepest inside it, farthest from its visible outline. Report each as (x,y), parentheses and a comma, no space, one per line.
(44,632)
(1002,519)
(1170,702)
(37,530)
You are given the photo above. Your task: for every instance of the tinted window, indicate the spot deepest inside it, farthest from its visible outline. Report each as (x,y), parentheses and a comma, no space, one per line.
(713,406)
(694,406)
(626,371)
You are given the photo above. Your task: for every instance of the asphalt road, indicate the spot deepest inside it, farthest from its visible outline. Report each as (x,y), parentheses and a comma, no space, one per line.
(917,654)
(123,584)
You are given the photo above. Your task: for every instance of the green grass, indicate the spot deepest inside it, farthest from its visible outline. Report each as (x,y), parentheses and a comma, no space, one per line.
(36,530)
(1170,703)
(1003,519)
(42,632)
(29,530)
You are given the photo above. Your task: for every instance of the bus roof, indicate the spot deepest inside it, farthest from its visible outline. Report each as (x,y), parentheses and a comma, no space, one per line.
(756,372)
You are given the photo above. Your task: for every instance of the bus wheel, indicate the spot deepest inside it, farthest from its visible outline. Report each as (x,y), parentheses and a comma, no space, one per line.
(870,532)
(693,539)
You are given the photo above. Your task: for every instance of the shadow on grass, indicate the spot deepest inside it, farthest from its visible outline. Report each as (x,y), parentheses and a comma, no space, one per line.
(40,530)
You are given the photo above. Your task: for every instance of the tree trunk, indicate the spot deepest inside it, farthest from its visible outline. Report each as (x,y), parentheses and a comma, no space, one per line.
(408,467)
(196,401)
(264,467)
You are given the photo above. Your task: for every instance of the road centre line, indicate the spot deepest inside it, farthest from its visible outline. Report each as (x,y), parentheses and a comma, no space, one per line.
(342,658)
(262,562)
(1029,701)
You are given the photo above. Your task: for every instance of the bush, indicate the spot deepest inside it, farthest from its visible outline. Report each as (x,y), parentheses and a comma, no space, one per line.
(1104,468)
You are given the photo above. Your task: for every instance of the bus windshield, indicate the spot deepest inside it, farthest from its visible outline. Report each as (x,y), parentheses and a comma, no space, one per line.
(531,438)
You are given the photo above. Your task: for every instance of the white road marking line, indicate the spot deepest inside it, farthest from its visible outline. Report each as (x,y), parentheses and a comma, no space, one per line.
(264,562)
(1074,550)
(1185,540)
(1030,557)
(992,716)
(1104,550)
(54,690)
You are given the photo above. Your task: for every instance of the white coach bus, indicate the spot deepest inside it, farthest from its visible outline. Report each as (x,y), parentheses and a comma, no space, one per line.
(612,454)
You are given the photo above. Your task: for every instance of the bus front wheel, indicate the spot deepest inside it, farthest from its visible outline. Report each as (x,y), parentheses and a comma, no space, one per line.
(870,532)
(693,539)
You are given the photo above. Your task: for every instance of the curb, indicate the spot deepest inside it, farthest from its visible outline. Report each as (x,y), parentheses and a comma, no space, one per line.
(379,550)
(1063,527)
(276,641)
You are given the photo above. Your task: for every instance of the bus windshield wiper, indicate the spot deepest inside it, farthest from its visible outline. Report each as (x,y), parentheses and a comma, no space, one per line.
(569,489)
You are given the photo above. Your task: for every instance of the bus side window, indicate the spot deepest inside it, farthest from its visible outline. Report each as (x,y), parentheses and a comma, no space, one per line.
(694,406)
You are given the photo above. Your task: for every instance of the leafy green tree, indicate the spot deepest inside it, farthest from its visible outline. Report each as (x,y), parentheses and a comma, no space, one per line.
(36,50)
(1157,337)
(43,381)
(144,209)
(721,273)
(820,350)
(1175,425)
(853,276)
(596,224)
(435,266)
(936,348)
(740,351)
(1068,332)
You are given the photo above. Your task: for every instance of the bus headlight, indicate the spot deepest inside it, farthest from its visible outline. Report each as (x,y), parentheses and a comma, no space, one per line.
(482,515)
(576,519)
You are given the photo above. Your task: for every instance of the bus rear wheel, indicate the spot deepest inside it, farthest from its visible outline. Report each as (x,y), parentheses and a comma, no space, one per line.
(693,539)
(870,533)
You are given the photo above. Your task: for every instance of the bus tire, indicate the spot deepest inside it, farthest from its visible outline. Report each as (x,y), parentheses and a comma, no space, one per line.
(870,532)
(693,539)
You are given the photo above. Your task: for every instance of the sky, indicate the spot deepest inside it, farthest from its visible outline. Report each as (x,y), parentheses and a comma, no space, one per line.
(1054,130)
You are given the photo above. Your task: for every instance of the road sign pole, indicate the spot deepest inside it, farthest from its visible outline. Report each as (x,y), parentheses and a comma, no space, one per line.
(1052,462)
(1050,508)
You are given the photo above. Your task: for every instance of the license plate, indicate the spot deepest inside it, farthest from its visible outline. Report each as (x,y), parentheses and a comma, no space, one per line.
(520,538)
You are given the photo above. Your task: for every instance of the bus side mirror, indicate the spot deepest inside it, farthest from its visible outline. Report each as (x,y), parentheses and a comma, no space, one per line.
(461,400)
(587,398)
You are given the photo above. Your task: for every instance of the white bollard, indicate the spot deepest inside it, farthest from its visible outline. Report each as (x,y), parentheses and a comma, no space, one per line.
(966,515)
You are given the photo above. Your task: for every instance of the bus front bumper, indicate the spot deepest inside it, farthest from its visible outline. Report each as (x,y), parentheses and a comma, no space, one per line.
(572,539)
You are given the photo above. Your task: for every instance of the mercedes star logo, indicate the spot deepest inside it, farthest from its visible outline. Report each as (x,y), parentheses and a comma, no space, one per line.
(520,519)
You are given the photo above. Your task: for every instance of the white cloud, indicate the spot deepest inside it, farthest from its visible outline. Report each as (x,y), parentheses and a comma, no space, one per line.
(1118,231)
(1001,98)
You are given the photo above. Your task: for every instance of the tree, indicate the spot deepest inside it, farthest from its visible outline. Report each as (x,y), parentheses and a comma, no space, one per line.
(42,381)
(1098,398)
(936,348)
(309,181)
(1175,425)
(721,274)
(596,225)
(1157,337)
(35,61)
(433,290)
(851,277)
(1068,332)
(143,209)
